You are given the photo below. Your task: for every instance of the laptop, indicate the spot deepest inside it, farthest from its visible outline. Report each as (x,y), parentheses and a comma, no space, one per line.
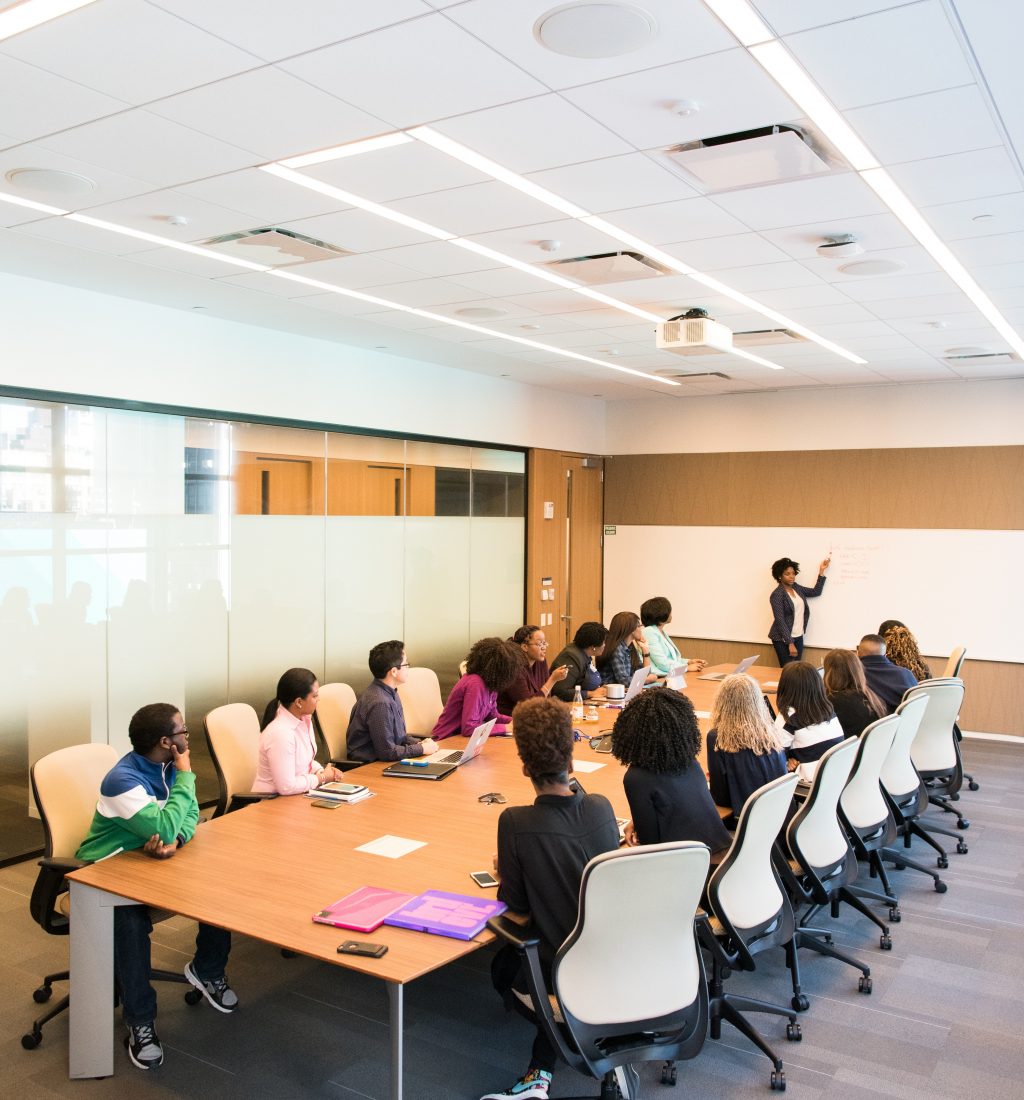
(636,684)
(458,757)
(741,667)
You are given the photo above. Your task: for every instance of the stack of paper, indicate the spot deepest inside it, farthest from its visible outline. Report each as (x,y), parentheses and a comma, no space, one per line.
(341,792)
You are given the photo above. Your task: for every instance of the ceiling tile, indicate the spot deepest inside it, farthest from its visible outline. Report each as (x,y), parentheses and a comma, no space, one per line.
(742,249)
(873,59)
(150,212)
(357,272)
(274,31)
(574,238)
(170,259)
(18,215)
(667,223)
(997,215)
(914,259)
(271,284)
(438,258)
(415,72)
(799,201)
(879,231)
(266,199)
(614,183)
(639,107)
(398,172)
(795,297)
(500,282)
(958,177)
(778,276)
(77,235)
(898,286)
(141,144)
(480,208)
(999,276)
(269,113)
(355,231)
(109,185)
(427,292)
(787,16)
(130,50)
(984,251)
(933,306)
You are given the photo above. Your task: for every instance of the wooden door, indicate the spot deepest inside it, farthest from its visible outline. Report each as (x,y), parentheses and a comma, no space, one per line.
(585,516)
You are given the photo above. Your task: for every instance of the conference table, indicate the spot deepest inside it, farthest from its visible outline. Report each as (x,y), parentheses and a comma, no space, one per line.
(249,872)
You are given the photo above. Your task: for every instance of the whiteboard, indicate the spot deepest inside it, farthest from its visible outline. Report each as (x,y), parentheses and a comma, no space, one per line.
(950,587)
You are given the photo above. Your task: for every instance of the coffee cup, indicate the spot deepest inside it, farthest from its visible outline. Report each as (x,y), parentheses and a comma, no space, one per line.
(615,691)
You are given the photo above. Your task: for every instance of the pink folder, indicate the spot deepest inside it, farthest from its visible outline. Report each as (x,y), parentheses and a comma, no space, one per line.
(364,909)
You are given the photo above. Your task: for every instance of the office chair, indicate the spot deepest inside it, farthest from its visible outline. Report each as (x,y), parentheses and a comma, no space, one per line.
(824,865)
(65,786)
(421,700)
(752,913)
(233,736)
(952,671)
(330,720)
(868,821)
(936,751)
(618,999)
(907,795)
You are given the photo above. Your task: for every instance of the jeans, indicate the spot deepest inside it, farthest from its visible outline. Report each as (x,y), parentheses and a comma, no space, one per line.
(132,927)
(782,651)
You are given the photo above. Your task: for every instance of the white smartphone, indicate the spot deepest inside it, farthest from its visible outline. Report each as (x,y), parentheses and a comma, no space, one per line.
(483,878)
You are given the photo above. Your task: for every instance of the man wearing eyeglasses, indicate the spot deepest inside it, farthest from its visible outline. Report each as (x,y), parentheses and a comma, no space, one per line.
(376,730)
(148,801)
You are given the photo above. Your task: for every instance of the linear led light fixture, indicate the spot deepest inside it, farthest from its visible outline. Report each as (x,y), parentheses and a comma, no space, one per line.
(42,207)
(441,319)
(794,80)
(350,149)
(32,13)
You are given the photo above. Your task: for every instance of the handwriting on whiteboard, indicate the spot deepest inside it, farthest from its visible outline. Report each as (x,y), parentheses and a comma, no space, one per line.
(853,561)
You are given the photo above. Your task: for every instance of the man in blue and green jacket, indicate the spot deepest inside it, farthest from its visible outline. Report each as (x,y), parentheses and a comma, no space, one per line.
(148,801)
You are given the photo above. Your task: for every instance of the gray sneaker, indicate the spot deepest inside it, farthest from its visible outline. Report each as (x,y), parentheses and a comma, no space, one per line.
(216,991)
(143,1046)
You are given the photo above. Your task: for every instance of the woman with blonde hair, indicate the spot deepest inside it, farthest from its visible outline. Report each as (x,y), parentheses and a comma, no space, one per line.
(855,704)
(901,649)
(744,747)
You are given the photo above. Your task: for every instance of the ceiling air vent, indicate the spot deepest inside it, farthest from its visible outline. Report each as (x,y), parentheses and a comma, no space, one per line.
(970,356)
(770,154)
(275,247)
(608,267)
(765,337)
(706,376)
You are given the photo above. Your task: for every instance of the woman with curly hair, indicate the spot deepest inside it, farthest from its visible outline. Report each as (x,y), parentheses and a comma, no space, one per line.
(492,665)
(744,747)
(855,704)
(658,737)
(901,648)
(535,678)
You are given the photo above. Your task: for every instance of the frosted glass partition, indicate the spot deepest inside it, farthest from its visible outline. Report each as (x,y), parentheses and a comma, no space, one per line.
(148,557)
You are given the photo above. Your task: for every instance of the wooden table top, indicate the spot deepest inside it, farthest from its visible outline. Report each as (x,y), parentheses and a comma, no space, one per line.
(263,871)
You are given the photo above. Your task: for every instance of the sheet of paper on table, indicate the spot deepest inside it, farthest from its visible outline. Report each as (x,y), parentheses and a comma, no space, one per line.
(393,847)
(586,765)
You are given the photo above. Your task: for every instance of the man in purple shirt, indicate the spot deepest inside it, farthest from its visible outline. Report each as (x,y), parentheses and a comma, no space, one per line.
(376,730)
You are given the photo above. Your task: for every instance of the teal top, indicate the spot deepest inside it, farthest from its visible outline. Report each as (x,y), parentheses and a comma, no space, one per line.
(663,650)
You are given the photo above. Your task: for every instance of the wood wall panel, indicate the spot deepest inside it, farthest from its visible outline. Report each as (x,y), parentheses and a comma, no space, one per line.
(545,540)
(974,488)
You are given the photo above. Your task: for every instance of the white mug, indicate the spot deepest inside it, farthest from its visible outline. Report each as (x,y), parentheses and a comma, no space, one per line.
(615,691)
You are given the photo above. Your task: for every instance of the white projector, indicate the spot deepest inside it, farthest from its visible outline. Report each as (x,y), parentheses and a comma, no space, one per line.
(693,336)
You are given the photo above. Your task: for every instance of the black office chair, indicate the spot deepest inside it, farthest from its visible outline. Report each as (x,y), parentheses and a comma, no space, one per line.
(936,751)
(65,786)
(621,999)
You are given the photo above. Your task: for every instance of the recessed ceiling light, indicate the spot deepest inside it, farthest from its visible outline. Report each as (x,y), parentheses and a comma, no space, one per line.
(481,312)
(595,30)
(51,181)
(872,267)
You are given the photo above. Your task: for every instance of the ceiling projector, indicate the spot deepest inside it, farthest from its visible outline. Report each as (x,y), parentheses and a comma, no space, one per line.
(693,333)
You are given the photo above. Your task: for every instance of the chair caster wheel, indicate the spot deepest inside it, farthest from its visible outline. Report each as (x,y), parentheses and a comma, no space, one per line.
(42,994)
(961,848)
(885,942)
(668,1074)
(954,798)
(778,1080)
(193,997)
(942,863)
(864,985)
(940,886)
(800,1002)
(899,866)
(794,1033)
(895,916)
(32,1040)
(963,823)
(973,786)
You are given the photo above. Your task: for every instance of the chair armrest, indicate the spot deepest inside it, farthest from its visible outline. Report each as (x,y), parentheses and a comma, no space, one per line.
(347,765)
(518,935)
(238,801)
(50,884)
(711,943)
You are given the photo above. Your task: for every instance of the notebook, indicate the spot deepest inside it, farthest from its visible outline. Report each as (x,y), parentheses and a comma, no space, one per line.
(340,792)
(458,757)
(455,915)
(364,909)
(418,770)
(741,667)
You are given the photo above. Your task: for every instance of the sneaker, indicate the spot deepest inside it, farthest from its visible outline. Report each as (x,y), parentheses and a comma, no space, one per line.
(216,991)
(627,1077)
(144,1047)
(534,1084)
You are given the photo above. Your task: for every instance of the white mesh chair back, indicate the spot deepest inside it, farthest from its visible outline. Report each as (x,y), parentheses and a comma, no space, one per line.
(747,890)
(66,784)
(816,832)
(933,749)
(632,955)
(899,776)
(862,800)
(421,700)
(233,731)
(333,711)
(955,662)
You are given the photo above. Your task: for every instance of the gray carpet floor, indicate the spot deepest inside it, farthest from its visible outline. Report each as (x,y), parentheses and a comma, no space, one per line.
(944,1019)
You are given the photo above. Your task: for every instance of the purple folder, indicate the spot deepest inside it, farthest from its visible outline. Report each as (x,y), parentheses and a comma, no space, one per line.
(456,915)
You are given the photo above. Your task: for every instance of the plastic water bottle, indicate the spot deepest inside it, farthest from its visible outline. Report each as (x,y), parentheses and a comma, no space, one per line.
(577,705)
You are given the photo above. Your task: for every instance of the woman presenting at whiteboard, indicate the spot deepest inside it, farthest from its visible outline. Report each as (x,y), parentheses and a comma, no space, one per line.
(789,609)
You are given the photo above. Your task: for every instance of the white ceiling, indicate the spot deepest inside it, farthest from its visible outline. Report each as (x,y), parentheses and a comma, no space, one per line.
(171,106)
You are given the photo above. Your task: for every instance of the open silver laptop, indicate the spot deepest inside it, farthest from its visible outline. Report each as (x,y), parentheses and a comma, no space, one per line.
(741,667)
(475,745)
(636,684)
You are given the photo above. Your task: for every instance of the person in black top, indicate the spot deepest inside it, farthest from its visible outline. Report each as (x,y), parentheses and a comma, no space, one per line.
(587,643)
(855,704)
(542,850)
(886,680)
(744,747)
(658,737)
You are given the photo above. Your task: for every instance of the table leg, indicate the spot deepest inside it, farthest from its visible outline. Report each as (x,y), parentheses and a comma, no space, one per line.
(91,1015)
(396,1008)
